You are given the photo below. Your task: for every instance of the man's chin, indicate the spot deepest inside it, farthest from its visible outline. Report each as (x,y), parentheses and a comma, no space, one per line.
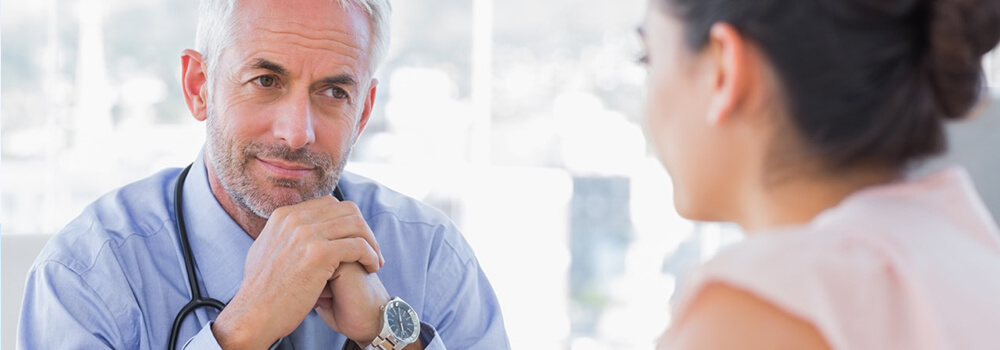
(268,202)
(281,197)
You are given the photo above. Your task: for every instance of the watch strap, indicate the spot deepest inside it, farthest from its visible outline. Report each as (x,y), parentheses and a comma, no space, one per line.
(378,344)
(381,343)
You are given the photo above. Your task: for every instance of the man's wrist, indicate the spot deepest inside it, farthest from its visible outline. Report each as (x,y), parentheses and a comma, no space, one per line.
(375,329)
(229,338)
(233,332)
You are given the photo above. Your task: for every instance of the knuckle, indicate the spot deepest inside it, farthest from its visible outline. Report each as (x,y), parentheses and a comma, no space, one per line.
(352,207)
(360,244)
(316,254)
(353,223)
(356,220)
(297,217)
(310,255)
(280,213)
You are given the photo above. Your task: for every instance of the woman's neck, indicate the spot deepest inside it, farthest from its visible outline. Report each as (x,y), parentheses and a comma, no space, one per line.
(798,199)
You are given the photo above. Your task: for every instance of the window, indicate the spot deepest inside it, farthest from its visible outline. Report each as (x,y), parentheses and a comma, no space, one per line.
(524,129)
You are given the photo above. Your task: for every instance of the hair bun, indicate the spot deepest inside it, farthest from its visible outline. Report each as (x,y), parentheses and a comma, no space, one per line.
(960,32)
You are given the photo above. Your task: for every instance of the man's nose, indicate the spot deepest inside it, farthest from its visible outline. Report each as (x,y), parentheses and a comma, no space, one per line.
(294,124)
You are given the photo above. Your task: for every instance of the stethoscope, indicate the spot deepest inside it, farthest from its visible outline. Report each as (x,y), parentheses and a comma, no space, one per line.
(197,301)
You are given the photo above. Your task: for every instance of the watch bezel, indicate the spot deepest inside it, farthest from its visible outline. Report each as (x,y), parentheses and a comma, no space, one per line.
(413,314)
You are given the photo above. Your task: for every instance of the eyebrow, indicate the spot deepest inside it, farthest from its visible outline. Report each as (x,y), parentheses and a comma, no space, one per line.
(343,79)
(264,64)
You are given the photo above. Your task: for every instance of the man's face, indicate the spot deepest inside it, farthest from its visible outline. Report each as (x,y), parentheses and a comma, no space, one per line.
(290,98)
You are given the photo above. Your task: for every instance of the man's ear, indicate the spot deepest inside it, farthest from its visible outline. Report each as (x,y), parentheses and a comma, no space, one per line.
(194,82)
(728,52)
(367,112)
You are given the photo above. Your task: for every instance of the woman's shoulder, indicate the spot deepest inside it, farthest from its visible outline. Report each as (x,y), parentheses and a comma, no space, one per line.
(811,284)
(908,265)
(849,282)
(746,320)
(800,266)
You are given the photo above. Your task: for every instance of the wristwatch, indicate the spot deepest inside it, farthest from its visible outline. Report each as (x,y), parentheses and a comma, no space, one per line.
(400,326)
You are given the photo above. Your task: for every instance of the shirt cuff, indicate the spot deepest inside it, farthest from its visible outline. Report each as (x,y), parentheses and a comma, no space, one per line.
(204,340)
(428,336)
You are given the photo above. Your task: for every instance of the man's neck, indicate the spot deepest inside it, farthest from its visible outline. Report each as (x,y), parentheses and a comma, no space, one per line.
(251,223)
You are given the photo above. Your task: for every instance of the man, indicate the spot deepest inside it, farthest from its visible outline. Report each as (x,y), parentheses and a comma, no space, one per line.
(286,88)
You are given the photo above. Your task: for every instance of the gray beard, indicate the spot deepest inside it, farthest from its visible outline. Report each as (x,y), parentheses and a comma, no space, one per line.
(231,166)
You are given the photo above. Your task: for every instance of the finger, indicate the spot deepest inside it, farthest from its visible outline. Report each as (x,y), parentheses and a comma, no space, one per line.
(296,219)
(320,210)
(354,249)
(347,227)
(329,219)
(326,293)
(312,203)
(314,210)
(287,219)
(324,303)
(327,315)
(336,208)
(320,201)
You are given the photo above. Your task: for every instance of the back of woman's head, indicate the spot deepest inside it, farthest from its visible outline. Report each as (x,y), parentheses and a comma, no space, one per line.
(867,81)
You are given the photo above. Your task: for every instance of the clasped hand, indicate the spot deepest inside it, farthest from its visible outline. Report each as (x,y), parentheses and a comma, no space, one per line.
(319,254)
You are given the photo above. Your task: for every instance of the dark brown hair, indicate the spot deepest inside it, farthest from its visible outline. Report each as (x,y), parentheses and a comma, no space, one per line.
(867,81)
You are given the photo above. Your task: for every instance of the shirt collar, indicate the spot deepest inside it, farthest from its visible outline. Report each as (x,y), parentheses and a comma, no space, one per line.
(219,245)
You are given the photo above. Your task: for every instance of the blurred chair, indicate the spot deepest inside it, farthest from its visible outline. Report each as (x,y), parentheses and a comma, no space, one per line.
(17,253)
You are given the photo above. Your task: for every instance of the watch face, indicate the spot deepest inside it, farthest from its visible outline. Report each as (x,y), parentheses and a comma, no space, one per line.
(402,320)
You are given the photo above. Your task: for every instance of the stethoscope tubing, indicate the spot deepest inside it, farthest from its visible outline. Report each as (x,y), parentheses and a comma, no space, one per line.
(197,301)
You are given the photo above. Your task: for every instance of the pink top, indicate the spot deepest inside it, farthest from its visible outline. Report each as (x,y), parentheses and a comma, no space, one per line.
(912,265)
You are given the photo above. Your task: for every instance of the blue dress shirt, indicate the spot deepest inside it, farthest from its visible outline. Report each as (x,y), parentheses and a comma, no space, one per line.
(114,277)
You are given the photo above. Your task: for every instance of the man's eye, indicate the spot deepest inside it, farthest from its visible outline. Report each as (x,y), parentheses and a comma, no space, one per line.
(337,93)
(265,81)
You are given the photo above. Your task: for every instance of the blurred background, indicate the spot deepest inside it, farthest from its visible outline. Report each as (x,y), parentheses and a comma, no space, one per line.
(520,119)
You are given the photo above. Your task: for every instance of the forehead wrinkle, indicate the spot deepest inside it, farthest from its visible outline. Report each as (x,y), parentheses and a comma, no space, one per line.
(349,27)
(318,44)
(355,53)
(311,28)
(353,58)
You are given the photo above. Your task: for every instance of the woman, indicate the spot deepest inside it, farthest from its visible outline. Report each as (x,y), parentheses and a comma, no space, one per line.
(798,120)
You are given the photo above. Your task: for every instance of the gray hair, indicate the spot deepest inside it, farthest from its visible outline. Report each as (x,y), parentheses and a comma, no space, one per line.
(215,29)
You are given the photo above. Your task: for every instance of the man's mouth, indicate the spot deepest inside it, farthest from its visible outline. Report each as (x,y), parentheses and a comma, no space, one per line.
(284,169)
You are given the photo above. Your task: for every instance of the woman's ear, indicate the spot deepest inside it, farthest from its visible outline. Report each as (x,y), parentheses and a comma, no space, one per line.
(727,51)
(193,81)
